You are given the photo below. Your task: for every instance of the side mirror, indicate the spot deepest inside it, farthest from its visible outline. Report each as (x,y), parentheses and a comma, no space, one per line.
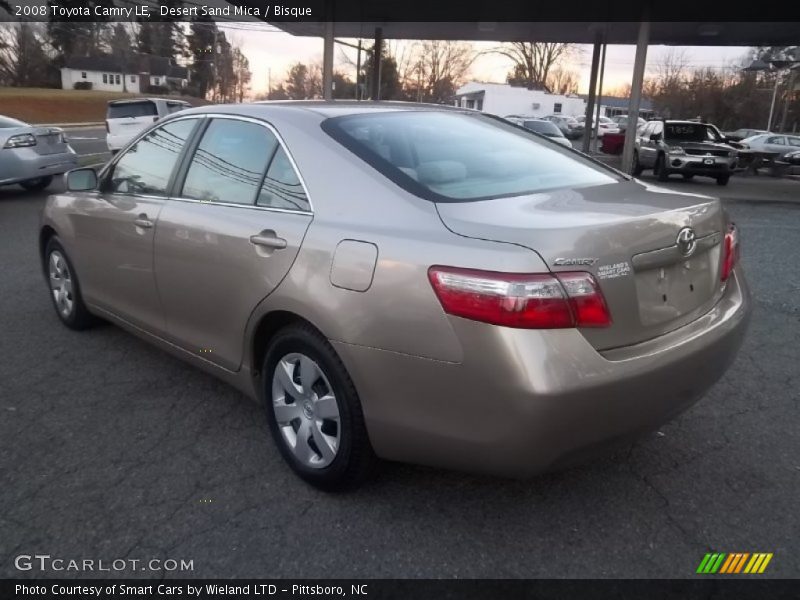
(80,180)
(654,137)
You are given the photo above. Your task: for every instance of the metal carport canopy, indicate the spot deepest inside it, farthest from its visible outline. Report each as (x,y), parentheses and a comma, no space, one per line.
(619,32)
(641,32)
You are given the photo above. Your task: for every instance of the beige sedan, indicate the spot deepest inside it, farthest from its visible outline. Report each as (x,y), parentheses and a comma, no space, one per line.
(404,282)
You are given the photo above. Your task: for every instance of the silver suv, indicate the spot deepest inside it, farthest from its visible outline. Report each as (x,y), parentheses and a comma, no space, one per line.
(684,147)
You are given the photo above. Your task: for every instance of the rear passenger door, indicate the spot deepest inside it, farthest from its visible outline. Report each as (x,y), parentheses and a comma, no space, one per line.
(228,235)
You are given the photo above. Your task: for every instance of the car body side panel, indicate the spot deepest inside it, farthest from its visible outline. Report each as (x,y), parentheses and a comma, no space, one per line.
(551,398)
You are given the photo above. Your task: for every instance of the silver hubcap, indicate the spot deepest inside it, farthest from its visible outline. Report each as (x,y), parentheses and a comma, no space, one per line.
(61,283)
(306,410)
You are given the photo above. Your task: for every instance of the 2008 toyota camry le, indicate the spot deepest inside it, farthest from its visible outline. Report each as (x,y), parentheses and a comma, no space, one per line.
(404,282)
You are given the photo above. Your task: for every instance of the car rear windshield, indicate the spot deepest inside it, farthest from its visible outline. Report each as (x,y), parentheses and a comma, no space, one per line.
(7,122)
(451,156)
(690,132)
(543,127)
(132,109)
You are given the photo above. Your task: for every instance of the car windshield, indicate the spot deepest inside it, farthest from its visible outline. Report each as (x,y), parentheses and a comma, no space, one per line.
(452,156)
(543,127)
(132,109)
(8,122)
(690,132)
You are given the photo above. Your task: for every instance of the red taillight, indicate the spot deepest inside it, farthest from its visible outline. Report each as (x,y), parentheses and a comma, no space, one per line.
(526,301)
(730,251)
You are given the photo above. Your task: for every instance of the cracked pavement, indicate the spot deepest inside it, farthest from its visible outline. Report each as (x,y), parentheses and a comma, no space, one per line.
(112,449)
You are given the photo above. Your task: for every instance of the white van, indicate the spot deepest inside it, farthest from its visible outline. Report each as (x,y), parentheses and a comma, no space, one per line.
(126,118)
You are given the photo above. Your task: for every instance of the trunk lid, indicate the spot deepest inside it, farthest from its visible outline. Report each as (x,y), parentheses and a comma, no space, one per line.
(49,140)
(626,235)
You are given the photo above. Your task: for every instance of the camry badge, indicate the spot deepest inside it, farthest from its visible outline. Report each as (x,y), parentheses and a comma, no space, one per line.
(686,242)
(568,262)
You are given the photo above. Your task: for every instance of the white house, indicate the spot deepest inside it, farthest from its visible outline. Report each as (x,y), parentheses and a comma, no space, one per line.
(106,73)
(502,99)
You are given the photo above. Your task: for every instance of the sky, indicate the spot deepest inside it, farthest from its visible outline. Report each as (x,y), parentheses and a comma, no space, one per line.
(272,52)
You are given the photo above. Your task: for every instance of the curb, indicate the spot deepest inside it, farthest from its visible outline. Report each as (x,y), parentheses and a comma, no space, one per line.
(72,125)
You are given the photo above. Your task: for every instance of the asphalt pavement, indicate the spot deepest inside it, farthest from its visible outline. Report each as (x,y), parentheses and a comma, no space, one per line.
(88,142)
(111,449)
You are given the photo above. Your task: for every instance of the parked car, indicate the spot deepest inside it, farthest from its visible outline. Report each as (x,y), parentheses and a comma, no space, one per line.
(417,283)
(605,125)
(542,127)
(32,155)
(686,147)
(793,158)
(771,142)
(127,118)
(622,122)
(569,126)
(740,134)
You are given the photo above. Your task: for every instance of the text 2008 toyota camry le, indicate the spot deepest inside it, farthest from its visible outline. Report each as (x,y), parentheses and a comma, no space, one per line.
(403,281)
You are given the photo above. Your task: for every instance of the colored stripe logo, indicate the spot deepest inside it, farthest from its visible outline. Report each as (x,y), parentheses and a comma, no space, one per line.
(733,563)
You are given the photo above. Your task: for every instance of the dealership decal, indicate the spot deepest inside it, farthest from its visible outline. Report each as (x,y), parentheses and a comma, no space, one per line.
(734,563)
(619,269)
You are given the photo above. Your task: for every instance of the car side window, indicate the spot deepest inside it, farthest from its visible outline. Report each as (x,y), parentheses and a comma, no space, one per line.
(282,187)
(229,162)
(794,141)
(776,140)
(145,168)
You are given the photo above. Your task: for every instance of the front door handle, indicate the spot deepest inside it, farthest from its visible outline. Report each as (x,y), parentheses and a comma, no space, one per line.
(143,222)
(268,239)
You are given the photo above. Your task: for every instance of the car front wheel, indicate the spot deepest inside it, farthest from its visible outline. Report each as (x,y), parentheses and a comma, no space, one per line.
(314,411)
(637,166)
(65,291)
(723,179)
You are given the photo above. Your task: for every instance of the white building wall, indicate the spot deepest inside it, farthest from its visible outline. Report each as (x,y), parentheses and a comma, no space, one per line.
(502,100)
(71,76)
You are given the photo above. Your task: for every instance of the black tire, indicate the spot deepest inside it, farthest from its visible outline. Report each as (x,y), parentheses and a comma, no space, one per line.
(637,166)
(35,185)
(354,459)
(688,176)
(723,179)
(660,169)
(78,317)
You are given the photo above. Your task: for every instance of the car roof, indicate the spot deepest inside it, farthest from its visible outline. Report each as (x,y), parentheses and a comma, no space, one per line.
(135,100)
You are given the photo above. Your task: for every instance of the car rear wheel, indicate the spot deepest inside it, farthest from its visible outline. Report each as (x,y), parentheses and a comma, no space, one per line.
(34,185)
(661,168)
(65,291)
(637,166)
(723,179)
(314,411)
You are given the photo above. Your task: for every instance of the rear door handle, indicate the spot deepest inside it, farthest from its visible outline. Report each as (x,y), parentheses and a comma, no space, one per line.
(143,222)
(268,239)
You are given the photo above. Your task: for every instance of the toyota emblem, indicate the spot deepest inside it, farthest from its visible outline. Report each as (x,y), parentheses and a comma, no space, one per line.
(687,241)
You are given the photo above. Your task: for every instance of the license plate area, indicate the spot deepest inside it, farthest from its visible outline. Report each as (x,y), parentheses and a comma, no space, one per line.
(669,292)
(708,161)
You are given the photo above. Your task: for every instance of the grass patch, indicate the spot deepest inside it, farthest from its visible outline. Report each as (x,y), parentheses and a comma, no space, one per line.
(43,105)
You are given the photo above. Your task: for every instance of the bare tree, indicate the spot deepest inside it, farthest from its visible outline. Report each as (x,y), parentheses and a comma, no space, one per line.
(562,81)
(533,61)
(438,68)
(23,61)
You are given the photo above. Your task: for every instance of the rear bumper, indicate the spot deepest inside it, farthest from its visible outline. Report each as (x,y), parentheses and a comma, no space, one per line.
(22,164)
(523,402)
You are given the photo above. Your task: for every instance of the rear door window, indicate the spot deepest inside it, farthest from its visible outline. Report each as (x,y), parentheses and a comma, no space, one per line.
(229,162)
(125,110)
(282,187)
